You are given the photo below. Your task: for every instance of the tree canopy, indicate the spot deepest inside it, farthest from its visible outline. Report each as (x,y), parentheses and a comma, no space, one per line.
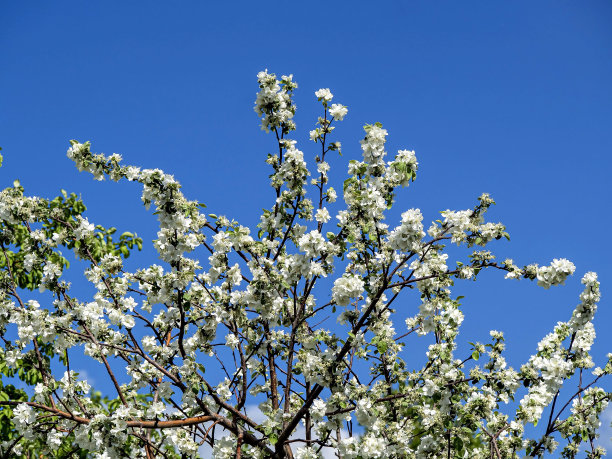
(286,340)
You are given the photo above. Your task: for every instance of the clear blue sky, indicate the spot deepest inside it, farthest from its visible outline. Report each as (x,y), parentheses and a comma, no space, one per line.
(511,98)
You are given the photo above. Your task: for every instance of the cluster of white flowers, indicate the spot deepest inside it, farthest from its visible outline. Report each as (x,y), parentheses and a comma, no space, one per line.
(322,215)
(274,102)
(324,94)
(338,111)
(80,154)
(407,236)
(585,419)
(556,273)
(552,363)
(178,233)
(459,223)
(373,145)
(225,448)
(402,170)
(24,416)
(345,288)
(313,244)
(408,157)
(293,171)
(84,229)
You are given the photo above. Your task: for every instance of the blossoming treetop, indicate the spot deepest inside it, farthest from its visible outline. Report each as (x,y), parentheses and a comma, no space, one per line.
(190,347)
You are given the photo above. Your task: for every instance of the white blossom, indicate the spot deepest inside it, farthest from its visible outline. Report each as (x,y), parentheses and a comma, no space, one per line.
(345,288)
(338,111)
(324,94)
(322,215)
(556,273)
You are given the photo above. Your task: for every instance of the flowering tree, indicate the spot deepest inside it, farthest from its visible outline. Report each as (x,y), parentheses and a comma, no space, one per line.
(235,354)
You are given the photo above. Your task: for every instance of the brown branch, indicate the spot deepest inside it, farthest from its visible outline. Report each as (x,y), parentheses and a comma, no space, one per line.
(138,423)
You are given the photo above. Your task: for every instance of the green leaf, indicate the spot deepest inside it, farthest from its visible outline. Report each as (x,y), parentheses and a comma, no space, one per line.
(348,182)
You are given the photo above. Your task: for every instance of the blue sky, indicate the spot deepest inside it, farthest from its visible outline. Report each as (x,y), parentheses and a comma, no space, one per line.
(509,98)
